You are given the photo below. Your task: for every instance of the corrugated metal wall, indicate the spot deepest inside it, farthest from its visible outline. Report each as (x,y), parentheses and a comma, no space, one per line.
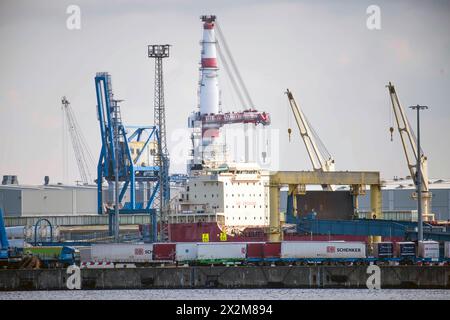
(11,202)
(48,201)
(398,199)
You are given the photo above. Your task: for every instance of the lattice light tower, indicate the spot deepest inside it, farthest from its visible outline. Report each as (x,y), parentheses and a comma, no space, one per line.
(158,52)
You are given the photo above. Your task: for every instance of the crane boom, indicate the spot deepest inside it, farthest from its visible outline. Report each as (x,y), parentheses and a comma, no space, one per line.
(319,156)
(409,143)
(81,150)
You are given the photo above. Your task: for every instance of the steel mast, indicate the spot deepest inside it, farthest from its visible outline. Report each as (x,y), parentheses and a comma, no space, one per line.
(158,52)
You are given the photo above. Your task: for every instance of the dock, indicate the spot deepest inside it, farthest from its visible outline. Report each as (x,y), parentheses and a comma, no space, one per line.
(231,277)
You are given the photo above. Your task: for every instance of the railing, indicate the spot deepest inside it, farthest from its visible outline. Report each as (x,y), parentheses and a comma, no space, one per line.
(404,215)
(83,220)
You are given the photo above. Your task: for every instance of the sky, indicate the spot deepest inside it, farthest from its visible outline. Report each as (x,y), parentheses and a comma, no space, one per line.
(322,51)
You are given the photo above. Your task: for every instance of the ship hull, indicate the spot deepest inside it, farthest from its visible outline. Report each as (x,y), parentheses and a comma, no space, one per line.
(211,231)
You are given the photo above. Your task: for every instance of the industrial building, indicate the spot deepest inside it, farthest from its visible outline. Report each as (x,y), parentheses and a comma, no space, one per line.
(47,200)
(397,196)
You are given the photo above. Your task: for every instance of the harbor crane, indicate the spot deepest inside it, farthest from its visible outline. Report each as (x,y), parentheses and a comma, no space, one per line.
(83,155)
(320,158)
(318,154)
(129,149)
(409,143)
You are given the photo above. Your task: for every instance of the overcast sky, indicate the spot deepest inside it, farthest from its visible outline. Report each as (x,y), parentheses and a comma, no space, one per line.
(321,50)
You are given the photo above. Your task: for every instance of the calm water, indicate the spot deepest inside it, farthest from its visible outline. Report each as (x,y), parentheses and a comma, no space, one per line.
(231,294)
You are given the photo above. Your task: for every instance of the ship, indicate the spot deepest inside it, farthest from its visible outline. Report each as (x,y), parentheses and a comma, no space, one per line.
(222,200)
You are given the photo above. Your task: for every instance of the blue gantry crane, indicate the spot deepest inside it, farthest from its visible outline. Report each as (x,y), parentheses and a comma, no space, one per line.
(130,147)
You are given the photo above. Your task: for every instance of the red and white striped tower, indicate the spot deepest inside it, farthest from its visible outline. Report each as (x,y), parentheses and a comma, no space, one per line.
(209,85)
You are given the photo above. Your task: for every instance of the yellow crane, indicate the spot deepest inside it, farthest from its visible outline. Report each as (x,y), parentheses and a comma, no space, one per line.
(409,143)
(320,158)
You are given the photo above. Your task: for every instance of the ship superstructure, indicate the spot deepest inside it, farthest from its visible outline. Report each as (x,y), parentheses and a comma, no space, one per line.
(235,195)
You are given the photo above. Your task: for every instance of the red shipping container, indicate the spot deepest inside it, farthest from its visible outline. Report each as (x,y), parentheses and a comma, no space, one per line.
(255,250)
(272,250)
(164,251)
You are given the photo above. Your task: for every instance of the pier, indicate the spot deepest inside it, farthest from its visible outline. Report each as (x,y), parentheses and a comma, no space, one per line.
(232,277)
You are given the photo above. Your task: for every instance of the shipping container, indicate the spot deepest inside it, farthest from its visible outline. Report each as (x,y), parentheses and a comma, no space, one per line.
(447,249)
(164,251)
(428,250)
(323,249)
(221,251)
(122,252)
(16,243)
(85,254)
(405,249)
(255,250)
(272,250)
(15,232)
(383,250)
(186,251)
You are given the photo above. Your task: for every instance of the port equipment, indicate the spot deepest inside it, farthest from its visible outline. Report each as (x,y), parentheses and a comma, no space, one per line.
(299,179)
(367,227)
(83,155)
(37,224)
(161,160)
(4,243)
(413,153)
(136,144)
(419,174)
(320,158)
(207,121)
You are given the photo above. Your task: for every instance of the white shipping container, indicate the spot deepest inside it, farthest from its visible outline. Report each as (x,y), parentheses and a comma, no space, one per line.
(186,251)
(16,243)
(85,254)
(221,250)
(15,232)
(447,249)
(428,250)
(122,252)
(322,249)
